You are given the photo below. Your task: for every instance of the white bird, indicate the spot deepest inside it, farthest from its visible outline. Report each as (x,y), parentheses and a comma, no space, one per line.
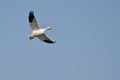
(36,30)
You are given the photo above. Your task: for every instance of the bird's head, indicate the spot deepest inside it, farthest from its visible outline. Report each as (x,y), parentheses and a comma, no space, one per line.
(49,28)
(30,37)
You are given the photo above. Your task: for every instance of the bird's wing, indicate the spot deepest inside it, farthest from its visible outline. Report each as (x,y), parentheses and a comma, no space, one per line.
(33,21)
(44,38)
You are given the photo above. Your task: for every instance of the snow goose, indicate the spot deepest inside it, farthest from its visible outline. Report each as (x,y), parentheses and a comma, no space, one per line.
(36,30)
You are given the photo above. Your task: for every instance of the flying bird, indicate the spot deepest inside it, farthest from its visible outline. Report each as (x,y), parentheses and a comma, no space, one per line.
(37,31)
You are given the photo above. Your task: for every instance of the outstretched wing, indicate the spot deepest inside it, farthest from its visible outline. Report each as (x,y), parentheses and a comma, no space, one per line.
(33,21)
(44,38)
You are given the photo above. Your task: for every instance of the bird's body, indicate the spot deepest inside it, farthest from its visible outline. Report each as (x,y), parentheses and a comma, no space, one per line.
(37,31)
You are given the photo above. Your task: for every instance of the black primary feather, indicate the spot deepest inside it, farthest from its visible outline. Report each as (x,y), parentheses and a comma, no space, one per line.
(47,41)
(31,16)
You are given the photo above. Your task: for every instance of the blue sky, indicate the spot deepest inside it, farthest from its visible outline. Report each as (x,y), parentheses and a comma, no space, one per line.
(87,34)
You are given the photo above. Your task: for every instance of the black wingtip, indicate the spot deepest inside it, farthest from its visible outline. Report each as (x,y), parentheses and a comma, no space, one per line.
(31,16)
(51,42)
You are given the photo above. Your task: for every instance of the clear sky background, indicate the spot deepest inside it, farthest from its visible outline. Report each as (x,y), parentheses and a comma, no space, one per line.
(87,34)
